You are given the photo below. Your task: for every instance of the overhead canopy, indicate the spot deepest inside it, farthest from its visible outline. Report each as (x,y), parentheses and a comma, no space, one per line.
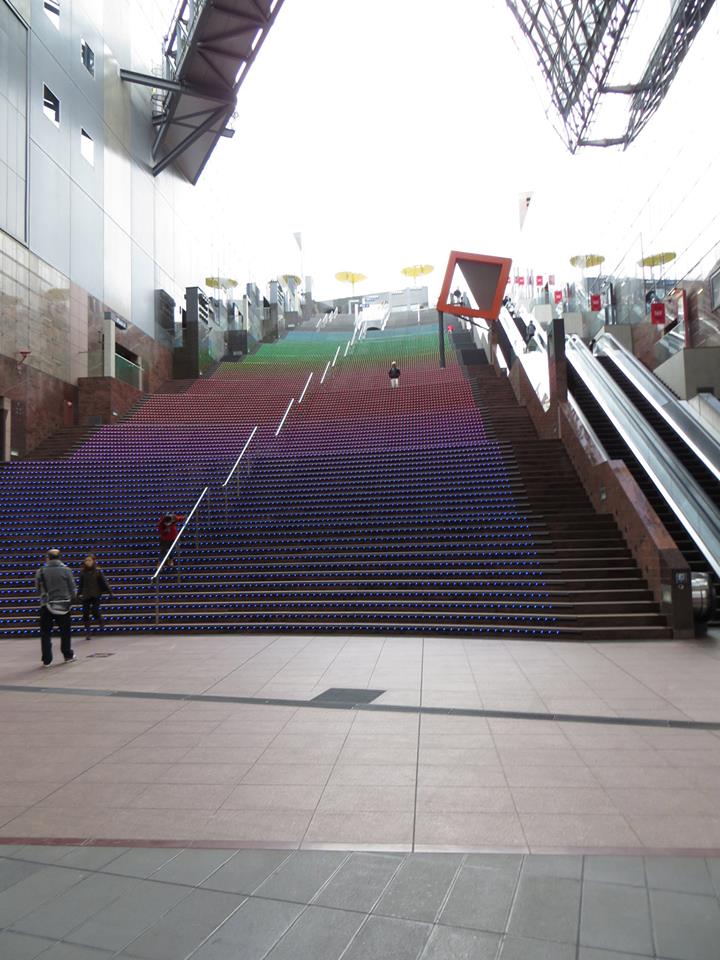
(208,52)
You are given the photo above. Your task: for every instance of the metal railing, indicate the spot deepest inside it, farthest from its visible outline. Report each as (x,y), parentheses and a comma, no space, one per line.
(128,372)
(688,501)
(234,472)
(693,433)
(156,576)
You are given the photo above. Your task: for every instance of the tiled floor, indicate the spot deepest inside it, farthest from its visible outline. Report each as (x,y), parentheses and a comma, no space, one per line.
(167,828)
(91,902)
(664,680)
(139,768)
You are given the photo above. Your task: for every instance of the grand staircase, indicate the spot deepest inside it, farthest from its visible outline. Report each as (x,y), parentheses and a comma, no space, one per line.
(429,510)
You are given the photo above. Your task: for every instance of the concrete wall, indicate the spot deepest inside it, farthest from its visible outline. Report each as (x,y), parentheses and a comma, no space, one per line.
(691,370)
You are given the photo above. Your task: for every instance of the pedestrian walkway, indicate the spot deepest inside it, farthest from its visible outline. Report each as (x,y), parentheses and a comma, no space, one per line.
(264,798)
(523,747)
(94,902)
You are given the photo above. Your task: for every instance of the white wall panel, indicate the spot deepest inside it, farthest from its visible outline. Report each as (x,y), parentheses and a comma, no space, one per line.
(143,209)
(118,267)
(49,234)
(89,177)
(143,290)
(117,183)
(86,242)
(83,28)
(44,69)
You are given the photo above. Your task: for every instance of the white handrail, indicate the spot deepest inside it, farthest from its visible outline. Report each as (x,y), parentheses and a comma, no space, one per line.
(322,378)
(183,528)
(336,355)
(242,454)
(280,426)
(300,399)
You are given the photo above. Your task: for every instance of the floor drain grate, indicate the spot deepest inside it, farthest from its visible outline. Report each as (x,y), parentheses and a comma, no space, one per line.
(347,695)
(100,655)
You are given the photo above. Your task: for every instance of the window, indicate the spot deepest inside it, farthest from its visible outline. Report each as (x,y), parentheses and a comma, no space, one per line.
(87,146)
(51,106)
(52,12)
(88,57)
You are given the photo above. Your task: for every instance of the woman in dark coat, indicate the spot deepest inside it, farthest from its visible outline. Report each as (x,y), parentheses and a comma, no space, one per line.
(91,587)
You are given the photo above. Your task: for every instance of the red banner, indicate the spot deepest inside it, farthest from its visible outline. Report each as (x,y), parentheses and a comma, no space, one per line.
(595,302)
(657,313)
(538,281)
(558,296)
(521,281)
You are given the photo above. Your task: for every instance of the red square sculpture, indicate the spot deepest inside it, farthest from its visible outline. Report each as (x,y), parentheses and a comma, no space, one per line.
(486,278)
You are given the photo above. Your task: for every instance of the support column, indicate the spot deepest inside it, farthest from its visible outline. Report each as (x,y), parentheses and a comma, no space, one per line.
(557,364)
(441,337)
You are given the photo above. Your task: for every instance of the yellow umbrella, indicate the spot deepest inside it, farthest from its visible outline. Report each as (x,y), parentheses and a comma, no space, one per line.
(419,270)
(347,276)
(587,260)
(657,259)
(287,277)
(218,283)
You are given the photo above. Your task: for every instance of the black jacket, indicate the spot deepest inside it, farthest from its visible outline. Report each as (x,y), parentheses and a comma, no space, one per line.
(394,373)
(92,584)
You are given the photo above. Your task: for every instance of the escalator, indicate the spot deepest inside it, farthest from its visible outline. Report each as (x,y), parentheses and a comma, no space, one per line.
(637,421)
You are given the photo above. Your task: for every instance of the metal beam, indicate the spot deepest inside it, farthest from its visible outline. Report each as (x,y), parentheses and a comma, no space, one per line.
(176,86)
(181,147)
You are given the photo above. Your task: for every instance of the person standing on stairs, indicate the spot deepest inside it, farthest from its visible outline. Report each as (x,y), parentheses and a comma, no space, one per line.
(529,333)
(168,531)
(394,374)
(91,586)
(55,584)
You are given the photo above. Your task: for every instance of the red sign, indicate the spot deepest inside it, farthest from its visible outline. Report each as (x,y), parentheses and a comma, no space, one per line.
(538,281)
(558,296)
(657,313)
(595,302)
(521,281)
(450,328)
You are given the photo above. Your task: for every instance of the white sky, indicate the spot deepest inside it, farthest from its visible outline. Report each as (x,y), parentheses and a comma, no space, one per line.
(391,131)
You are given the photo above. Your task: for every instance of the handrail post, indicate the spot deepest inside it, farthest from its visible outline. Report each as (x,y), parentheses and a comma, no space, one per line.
(157,601)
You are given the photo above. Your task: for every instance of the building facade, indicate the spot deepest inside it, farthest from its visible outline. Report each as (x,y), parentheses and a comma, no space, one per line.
(95,252)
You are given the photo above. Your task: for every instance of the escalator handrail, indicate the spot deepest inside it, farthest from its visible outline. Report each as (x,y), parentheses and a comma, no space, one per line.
(688,501)
(700,441)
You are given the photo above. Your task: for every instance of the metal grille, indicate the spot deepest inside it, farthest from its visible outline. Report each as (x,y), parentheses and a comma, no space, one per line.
(577,42)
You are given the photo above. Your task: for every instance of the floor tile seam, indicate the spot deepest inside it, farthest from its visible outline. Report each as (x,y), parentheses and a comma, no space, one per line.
(603,653)
(448,892)
(648,900)
(501,762)
(333,767)
(91,766)
(305,906)
(333,660)
(184,698)
(265,646)
(149,926)
(194,950)
(381,651)
(417,746)
(580,907)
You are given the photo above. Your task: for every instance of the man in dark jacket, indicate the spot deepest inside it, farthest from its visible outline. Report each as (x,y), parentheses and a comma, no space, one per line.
(394,375)
(55,584)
